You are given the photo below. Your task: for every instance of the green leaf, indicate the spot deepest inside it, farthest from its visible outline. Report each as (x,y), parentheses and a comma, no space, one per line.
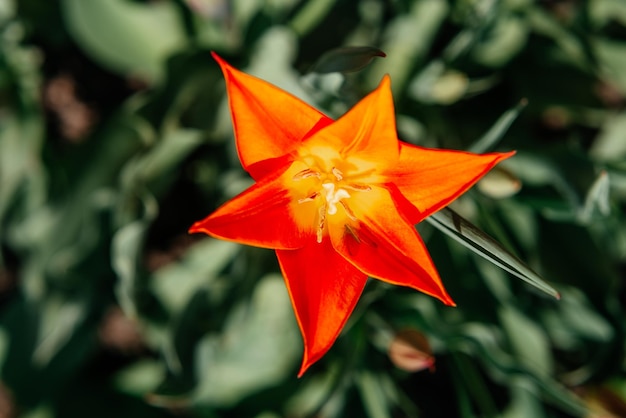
(408,40)
(528,340)
(507,38)
(176,283)
(609,145)
(140,377)
(258,348)
(346,60)
(373,396)
(525,402)
(128,37)
(597,199)
(491,138)
(59,319)
(126,252)
(468,235)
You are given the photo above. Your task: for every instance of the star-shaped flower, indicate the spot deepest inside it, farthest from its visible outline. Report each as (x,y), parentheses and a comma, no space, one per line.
(337,200)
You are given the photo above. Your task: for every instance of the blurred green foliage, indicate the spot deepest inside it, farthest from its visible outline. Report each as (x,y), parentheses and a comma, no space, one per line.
(115,138)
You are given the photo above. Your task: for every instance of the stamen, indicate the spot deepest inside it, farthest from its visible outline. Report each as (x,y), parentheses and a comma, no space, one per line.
(338,174)
(306,173)
(348,210)
(333,197)
(358,187)
(321,215)
(309,198)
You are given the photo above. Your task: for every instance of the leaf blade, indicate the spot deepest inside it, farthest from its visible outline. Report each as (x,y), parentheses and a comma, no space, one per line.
(468,235)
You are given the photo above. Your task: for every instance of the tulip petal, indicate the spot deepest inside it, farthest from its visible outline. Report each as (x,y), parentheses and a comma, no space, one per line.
(268,121)
(432,178)
(367,132)
(385,245)
(263,215)
(324,289)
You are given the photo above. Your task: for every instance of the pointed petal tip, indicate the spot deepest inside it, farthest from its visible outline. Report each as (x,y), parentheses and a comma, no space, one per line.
(501,156)
(444,297)
(195,228)
(303,369)
(385,82)
(223,64)
(307,362)
(216,57)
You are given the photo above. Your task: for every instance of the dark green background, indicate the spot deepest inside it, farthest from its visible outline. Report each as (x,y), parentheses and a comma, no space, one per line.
(115,137)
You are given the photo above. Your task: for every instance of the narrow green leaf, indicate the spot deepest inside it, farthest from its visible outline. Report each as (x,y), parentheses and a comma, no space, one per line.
(497,131)
(346,60)
(374,400)
(597,198)
(464,232)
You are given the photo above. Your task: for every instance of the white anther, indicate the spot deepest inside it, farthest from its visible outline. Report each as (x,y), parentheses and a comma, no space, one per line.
(333,197)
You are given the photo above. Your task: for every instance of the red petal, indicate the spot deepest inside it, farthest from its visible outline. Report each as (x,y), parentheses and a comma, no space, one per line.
(432,178)
(324,290)
(268,121)
(366,132)
(384,245)
(263,216)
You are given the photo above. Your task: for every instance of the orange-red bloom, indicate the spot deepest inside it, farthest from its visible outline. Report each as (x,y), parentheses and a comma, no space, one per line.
(337,200)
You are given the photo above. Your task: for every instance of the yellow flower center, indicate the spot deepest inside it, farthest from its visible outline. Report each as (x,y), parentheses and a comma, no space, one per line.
(329,191)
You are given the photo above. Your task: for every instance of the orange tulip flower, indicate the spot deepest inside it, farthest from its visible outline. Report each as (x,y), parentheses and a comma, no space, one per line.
(337,200)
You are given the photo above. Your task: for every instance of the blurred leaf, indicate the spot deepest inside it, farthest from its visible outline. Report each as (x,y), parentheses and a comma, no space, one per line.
(527,339)
(322,394)
(437,84)
(505,40)
(610,144)
(128,37)
(569,45)
(140,377)
(602,12)
(59,319)
(462,231)
(43,411)
(597,200)
(612,59)
(408,39)
(374,400)
(525,402)
(4,346)
(346,60)
(126,253)
(175,283)
(259,346)
(497,131)
(575,319)
(311,15)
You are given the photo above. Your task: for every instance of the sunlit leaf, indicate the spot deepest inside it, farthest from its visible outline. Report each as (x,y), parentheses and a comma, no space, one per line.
(140,377)
(468,235)
(259,346)
(175,283)
(129,37)
(346,59)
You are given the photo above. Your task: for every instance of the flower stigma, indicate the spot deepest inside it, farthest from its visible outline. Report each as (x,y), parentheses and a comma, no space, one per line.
(332,188)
